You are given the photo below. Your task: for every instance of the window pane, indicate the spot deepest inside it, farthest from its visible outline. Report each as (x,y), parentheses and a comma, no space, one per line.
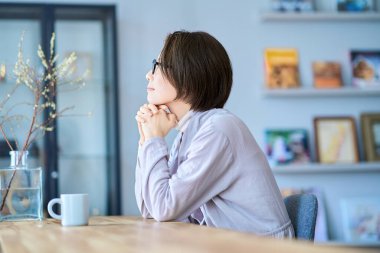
(82,138)
(22,100)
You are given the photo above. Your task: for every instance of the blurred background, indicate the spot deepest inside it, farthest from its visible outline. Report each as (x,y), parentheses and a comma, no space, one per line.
(117,41)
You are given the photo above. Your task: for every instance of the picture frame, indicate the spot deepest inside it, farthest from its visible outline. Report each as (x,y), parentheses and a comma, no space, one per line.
(370,126)
(360,218)
(336,140)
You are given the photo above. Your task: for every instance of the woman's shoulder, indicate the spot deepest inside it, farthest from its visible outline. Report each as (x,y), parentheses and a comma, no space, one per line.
(220,120)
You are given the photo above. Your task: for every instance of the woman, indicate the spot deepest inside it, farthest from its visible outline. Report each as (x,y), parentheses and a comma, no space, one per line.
(215,173)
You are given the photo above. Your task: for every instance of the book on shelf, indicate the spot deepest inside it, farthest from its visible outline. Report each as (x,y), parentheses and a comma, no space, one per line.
(281,68)
(287,146)
(293,5)
(355,5)
(365,66)
(327,74)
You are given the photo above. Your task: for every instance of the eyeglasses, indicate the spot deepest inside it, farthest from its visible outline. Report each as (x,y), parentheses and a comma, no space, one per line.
(154,65)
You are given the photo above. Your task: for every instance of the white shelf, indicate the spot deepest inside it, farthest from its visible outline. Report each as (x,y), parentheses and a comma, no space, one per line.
(363,167)
(313,92)
(321,16)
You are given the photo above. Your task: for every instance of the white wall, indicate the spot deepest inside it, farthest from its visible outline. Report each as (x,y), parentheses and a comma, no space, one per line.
(143,25)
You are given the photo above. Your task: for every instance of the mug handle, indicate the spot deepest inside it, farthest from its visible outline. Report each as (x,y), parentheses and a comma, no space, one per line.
(50,208)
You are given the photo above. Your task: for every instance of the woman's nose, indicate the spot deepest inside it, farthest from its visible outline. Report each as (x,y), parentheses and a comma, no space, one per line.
(149,75)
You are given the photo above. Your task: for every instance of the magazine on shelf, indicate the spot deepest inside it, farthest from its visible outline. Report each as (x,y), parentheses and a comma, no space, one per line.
(293,5)
(281,68)
(327,74)
(365,68)
(287,146)
(355,5)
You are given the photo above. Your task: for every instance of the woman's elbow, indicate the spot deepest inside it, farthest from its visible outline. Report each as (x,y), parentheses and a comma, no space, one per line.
(165,215)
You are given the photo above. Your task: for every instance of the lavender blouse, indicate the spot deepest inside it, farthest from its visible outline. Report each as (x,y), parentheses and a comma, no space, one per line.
(215,174)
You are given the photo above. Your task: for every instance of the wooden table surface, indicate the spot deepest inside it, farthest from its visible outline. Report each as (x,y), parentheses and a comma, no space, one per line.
(132,234)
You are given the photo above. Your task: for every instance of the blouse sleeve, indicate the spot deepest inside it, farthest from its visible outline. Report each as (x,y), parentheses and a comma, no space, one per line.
(138,190)
(199,178)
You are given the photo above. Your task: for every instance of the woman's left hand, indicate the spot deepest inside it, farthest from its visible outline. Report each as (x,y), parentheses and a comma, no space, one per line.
(155,121)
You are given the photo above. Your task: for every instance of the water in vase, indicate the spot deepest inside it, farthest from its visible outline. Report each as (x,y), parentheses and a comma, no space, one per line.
(21,204)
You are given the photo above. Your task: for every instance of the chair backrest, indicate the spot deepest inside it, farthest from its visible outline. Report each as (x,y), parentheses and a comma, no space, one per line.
(302,210)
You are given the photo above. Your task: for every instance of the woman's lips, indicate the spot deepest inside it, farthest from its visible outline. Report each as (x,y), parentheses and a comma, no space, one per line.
(150,89)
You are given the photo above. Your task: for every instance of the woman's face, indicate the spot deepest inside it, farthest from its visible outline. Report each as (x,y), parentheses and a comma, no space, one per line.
(160,90)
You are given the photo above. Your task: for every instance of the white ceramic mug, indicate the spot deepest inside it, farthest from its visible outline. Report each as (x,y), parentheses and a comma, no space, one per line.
(74,209)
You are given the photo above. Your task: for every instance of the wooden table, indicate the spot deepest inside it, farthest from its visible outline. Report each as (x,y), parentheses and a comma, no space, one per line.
(132,234)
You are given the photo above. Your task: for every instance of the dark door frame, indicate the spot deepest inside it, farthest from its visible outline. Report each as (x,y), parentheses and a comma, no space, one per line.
(48,14)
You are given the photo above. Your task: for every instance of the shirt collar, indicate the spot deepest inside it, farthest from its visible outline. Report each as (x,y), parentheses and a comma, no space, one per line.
(184,122)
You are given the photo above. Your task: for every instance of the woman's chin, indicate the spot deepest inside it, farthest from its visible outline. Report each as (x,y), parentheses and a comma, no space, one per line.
(153,101)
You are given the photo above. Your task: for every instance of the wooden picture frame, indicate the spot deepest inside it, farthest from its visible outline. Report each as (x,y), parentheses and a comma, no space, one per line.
(336,140)
(370,125)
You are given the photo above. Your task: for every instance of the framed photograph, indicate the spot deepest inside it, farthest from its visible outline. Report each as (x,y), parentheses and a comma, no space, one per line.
(365,68)
(336,140)
(287,146)
(361,219)
(370,124)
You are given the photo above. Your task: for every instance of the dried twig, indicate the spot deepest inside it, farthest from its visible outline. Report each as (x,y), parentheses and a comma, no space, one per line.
(43,86)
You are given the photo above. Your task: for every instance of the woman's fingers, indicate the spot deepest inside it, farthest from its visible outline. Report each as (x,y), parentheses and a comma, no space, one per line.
(140,119)
(165,108)
(153,108)
(148,109)
(144,115)
(145,110)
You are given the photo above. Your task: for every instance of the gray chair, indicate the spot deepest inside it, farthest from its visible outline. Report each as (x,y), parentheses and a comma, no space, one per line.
(302,210)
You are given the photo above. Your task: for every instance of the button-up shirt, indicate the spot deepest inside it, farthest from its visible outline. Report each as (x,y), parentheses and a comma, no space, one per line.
(216,169)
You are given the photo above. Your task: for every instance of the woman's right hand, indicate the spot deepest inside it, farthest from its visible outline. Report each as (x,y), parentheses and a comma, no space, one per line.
(154,121)
(147,109)
(142,138)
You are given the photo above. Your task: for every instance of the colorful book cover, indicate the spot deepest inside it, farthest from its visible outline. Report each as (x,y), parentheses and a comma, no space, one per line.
(365,68)
(281,68)
(354,5)
(288,146)
(293,5)
(327,74)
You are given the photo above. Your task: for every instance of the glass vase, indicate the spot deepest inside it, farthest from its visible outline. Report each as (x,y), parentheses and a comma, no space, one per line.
(21,190)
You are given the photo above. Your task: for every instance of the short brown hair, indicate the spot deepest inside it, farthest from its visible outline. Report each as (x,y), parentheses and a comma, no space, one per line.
(198,67)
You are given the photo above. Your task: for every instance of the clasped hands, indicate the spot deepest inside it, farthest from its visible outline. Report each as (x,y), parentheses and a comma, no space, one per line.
(154,121)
